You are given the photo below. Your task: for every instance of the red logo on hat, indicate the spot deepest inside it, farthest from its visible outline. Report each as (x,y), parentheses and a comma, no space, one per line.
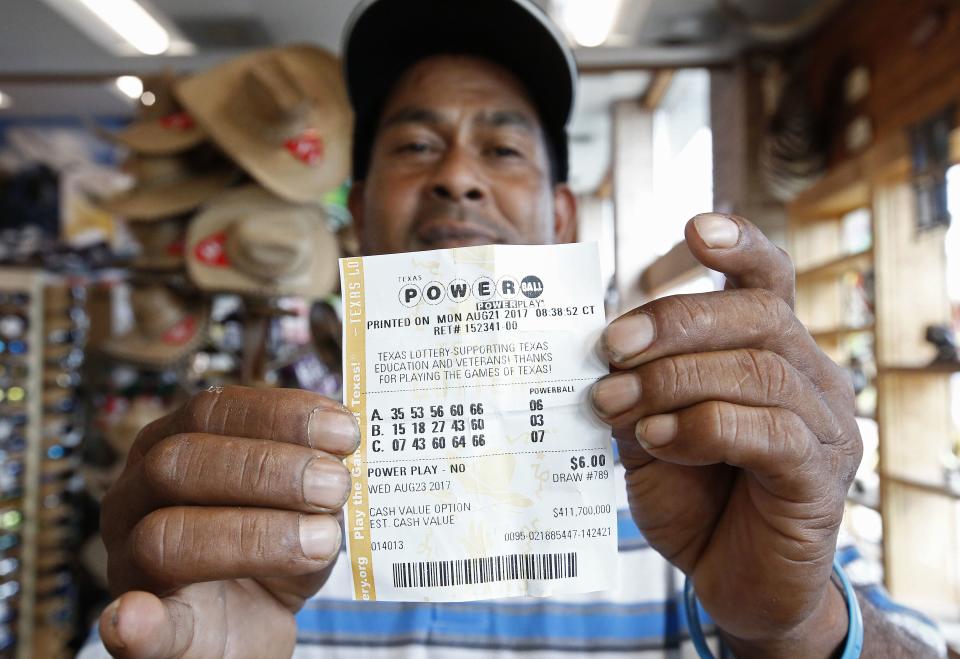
(307,147)
(175,248)
(181,332)
(210,251)
(177,121)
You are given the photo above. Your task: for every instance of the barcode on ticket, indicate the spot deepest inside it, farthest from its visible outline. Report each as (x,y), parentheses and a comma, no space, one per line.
(484,570)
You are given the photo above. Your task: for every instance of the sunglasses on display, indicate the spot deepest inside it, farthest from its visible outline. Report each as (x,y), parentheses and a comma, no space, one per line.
(56,609)
(58,452)
(12,299)
(11,468)
(15,347)
(61,379)
(53,537)
(73,359)
(13,445)
(14,394)
(67,440)
(62,406)
(13,325)
(52,562)
(8,424)
(10,520)
(10,371)
(8,566)
(66,336)
(9,589)
(8,541)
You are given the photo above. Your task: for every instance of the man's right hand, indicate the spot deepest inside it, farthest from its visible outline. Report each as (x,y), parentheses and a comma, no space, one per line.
(223,524)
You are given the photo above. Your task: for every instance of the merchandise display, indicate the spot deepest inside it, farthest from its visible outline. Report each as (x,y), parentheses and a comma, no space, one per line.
(293,134)
(225,242)
(162,127)
(248,241)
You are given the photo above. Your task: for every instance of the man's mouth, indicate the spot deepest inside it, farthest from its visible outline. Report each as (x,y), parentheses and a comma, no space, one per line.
(443,234)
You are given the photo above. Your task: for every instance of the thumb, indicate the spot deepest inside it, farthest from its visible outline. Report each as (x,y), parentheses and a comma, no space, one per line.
(737,248)
(139,625)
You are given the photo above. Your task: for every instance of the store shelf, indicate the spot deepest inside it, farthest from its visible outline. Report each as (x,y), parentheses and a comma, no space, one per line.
(932,369)
(939,489)
(839,265)
(844,189)
(836,333)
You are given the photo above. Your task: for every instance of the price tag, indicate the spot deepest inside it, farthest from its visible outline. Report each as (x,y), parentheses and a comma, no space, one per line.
(482,471)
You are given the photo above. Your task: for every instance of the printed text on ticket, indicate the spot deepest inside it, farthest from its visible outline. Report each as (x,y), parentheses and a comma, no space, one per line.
(482,472)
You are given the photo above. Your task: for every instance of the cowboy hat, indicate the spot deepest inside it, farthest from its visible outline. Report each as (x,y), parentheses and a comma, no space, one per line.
(166,328)
(167,185)
(282,114)
(143,410)
(163,127)
(161,244)
(250,241)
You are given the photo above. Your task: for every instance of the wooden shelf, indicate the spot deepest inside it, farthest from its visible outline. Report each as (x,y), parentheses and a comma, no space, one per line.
(842,190)
(938,489)
(839,332)
(932,369)
(839,265)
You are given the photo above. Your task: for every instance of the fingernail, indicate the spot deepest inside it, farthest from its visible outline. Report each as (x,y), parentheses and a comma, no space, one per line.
(717,231)
(333,431)
(110,615)
(656,431)
(629,336)
(615,394)
(319,536)
(326,483)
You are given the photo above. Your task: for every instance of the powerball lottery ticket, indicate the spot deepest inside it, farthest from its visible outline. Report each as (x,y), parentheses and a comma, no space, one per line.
(481,471)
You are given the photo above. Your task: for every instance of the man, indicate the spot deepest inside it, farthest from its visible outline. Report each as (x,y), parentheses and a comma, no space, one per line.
(736,434)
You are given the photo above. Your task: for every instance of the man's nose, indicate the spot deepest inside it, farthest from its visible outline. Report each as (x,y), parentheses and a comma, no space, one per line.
(456,179)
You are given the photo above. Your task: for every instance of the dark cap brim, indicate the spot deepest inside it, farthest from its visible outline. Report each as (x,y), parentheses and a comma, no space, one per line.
(384,38)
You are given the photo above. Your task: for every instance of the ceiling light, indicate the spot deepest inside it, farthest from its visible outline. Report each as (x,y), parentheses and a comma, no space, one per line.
(131,86)
(589,21)
(5,101)
(125,27)
(132,22)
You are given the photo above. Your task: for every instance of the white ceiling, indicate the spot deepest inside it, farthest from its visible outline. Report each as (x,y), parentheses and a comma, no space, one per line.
(51,68)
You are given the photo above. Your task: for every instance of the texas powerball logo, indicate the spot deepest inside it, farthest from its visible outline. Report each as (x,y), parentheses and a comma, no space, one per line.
(482,290)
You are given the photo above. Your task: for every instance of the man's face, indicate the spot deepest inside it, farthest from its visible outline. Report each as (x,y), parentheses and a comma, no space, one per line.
(459,159)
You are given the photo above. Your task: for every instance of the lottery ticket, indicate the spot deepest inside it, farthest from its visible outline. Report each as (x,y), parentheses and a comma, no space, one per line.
(481,471)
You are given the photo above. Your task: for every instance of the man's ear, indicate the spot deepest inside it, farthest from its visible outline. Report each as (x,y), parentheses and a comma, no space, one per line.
(355,205)
(564,214)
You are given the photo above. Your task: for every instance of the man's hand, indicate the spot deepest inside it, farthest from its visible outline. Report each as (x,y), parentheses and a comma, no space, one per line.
(223,523)
(739,442)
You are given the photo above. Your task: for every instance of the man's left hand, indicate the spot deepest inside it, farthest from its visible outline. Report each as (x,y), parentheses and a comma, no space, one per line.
(739,442)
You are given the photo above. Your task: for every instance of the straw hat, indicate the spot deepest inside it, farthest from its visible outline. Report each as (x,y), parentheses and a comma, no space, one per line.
(282,114)
(161,244)
(167,328)
(249,241)
(166,185)
(162,128)
(143,410)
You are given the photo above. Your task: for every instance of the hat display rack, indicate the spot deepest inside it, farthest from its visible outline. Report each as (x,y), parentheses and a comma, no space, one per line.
(271,240)
(175,169)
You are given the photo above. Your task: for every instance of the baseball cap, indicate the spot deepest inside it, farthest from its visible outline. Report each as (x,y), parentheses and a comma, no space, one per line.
(383,38)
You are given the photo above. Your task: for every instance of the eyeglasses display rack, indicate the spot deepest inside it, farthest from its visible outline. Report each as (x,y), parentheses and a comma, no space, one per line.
(21,361)
(65,324)
(42,331)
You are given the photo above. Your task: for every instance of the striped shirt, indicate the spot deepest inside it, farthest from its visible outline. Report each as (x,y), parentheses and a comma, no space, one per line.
(641,619)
